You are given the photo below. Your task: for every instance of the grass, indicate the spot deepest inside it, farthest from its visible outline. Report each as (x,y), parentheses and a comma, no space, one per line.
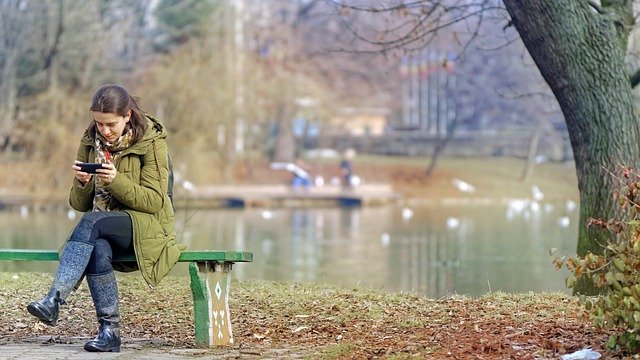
(502,178)
(494,178)
(319,321)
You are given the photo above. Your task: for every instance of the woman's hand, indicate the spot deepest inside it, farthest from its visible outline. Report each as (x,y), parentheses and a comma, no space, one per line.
(107,173)
(82,176)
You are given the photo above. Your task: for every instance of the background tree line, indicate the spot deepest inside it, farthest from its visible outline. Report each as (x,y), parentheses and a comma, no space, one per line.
(230,77)
(223,75)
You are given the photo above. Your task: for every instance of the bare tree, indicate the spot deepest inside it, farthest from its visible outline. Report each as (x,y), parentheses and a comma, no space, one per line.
(18,21)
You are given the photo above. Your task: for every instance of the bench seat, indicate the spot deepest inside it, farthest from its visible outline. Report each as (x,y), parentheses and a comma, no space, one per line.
(209,271)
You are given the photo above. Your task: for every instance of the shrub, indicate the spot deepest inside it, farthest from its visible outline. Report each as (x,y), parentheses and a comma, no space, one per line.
(616,270)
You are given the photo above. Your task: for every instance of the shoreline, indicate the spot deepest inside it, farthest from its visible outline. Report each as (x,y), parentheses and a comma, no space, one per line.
(281,196)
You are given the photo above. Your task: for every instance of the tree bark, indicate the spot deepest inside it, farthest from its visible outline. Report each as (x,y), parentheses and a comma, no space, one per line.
(580,53)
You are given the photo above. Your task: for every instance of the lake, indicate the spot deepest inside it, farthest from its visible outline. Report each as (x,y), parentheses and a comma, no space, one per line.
(435,250)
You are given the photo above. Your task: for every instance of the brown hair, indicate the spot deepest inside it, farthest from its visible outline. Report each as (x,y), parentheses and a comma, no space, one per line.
(115,99)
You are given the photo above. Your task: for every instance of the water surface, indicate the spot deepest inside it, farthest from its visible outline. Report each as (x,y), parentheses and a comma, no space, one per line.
(435,250)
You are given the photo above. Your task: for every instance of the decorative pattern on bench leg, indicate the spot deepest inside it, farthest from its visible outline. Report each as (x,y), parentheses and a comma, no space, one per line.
(210,282)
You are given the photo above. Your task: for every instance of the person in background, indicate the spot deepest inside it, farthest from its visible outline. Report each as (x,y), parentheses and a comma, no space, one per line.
(127,211)
(346,170)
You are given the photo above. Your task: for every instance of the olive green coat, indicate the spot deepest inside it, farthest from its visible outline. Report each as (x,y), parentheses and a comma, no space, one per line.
(141,188)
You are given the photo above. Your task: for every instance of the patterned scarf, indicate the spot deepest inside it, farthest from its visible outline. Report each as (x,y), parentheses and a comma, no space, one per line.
(105,151)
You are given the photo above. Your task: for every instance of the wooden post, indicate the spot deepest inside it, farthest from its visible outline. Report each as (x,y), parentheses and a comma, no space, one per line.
(210,281)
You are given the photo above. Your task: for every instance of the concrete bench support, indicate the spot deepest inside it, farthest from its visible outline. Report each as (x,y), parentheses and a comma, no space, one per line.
(210,283)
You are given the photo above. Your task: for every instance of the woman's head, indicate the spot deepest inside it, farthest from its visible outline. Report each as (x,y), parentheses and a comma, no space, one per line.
(114,112)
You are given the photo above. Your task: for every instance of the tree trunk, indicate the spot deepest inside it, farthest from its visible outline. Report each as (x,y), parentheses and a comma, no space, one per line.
(440,145)
(55,28)
(531,154)
(285,141)
(581,56)
(9,100)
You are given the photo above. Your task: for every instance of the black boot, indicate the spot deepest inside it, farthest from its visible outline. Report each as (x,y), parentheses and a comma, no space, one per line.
(47,309)
(108,338)
(72,265)
(104,291)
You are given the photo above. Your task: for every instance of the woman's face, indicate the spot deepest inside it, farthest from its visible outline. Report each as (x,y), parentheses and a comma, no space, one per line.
(110,125)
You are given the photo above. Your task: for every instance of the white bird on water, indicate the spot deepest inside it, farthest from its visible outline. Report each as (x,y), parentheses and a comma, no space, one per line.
(187,185)
(564,221)
(463,186)
(536,193)
(516,207)
(407,214)
(385,238)
(535,207)
(24,212)
(453,222)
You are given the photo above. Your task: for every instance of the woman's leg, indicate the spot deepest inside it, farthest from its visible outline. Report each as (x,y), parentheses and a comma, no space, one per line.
(116,236)
(102,283)
(73,263)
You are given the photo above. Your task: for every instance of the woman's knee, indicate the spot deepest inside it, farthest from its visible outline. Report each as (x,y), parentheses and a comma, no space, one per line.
(82,231)
(88,228)
(101,258)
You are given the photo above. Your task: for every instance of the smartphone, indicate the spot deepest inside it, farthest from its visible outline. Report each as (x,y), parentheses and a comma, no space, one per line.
(89,168)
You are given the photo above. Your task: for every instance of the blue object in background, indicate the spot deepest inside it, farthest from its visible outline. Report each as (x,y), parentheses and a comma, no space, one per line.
(298,181)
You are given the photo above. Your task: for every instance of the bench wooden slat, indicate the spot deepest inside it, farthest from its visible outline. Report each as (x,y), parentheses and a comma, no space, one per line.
(229,255)
(28,254)
(186,256)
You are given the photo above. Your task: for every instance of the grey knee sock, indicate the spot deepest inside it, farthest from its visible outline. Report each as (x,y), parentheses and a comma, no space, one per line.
(104,291)
(73,263)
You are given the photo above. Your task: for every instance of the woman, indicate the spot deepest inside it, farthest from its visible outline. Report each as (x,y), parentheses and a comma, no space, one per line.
(127,211)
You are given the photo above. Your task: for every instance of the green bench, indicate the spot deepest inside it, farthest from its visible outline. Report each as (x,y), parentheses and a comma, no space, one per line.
(210,282)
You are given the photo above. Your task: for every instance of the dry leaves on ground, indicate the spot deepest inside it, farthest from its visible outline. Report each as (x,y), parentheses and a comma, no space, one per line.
(328,321)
